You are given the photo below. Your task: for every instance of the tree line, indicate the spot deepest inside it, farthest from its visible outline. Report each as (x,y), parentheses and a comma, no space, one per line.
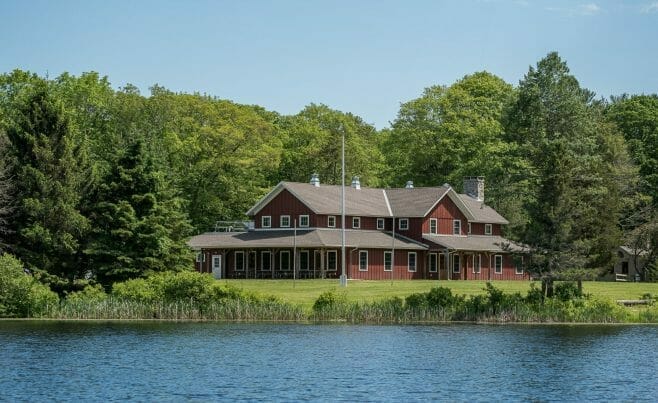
(101,184)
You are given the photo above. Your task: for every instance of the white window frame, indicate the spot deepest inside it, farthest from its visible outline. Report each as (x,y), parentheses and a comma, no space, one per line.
(267,218)
(434,226)
(301,220)
(469,228)
(308,260)
(415,266)
(488,229)
(361,253)
(200,257)
(330,219)
(457,269)
(404,227)
(356,220)
(496,259)
(382,222)
(388,253)
(518,265)
(456,225)
(436,262)
(235,261)
(281,224)
(477,264)
(281,268)
(335,253)
(262,260)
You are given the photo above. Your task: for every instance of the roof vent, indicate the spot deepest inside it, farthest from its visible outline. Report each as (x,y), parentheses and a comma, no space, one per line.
(474,187)
(315,180)
(409,185)
(356,183)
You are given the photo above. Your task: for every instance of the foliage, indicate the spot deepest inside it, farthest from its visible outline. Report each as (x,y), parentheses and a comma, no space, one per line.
(329,300)
(89,294)
(20,294)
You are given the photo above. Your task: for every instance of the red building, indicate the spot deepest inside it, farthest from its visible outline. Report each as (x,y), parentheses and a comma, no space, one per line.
(403,233)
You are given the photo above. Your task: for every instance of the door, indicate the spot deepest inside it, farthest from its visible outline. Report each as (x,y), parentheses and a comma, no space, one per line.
(217,266)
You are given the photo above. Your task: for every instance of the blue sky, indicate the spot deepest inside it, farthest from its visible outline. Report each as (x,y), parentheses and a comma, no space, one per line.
(359,56)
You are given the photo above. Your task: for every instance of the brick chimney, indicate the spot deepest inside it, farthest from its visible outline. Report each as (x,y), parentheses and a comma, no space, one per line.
(474,187)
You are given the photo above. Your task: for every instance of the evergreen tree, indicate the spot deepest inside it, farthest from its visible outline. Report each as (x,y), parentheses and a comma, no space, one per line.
(138,224)
(49,172)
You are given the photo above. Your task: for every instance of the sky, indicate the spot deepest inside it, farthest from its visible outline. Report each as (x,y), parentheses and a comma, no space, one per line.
(360,56)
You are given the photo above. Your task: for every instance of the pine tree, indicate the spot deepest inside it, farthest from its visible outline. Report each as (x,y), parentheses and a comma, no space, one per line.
(138,224)
(49,172)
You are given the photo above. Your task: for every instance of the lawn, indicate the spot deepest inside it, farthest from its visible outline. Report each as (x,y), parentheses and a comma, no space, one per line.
(305,292)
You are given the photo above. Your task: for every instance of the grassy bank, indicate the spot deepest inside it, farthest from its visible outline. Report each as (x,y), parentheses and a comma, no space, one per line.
(305,292)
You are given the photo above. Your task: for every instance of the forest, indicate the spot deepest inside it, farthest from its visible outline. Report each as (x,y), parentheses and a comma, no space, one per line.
(102,185)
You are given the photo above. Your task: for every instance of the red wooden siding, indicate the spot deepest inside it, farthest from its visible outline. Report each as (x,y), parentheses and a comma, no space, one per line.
(376,266)
(478,229)
(285,204)
(445,212)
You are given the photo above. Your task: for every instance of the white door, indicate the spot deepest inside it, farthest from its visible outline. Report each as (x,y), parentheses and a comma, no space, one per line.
(217,266)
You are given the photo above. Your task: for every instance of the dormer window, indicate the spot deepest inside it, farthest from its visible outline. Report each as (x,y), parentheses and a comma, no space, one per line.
(331,221)
(380,223)
(456,227)
(284,221)
(403,224)
(303,220)
(356,222)
(487,229)
(266,221)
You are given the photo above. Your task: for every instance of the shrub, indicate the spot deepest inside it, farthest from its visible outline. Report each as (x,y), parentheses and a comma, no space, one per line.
(441,297)
(534,295)
(89,294)
(416,301)
(567,291)
(20,294)
(138,289)
(329,300)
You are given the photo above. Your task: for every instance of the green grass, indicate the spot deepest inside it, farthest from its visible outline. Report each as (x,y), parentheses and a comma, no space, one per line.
(305,292)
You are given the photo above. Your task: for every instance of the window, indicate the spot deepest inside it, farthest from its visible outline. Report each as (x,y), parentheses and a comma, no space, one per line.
(456,227)
(432,262)
(388,261)
(433,226)
(266,221)
(200,257)
(303,260)
(498,264)
(403,224)
(487,229)
(284,221)
(303,220)
(356,222)
(477,263)
(266,261)
(380,223)
(363,260)
(251,264)
(332,260)
(331,221)
(518,267)
(238,263)
(411,261)
(284,260)
(469,228)
(456,264)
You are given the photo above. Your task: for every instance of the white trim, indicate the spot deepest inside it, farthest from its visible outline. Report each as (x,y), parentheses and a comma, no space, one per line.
(455,199)
(436,262)
(490,232)
(468,230)
(403,220)
(455,221)
(200,257)
(328,221)
(479,264)
(281,221)
(287,252)
(265,200)
(415,255)
(308,220)
(335,260)
(235,260)
(383,221)
(262,260)
(388,205)
(436,226)
(459,264)
(496,264)
(360,253)
(517,265)
(359,221)
(262,221)
(390,253)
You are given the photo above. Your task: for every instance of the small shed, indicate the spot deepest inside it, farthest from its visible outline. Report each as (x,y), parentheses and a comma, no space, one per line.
(629,263)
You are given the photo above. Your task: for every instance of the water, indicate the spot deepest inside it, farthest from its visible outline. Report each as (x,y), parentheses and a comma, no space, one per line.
(159,361)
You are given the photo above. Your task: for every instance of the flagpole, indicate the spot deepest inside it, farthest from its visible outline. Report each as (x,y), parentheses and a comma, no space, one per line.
(343,277)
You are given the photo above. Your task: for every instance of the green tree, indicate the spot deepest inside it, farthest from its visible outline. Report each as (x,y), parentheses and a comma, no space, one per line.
(577,169)
(49,174)
(138,223)
(20,294)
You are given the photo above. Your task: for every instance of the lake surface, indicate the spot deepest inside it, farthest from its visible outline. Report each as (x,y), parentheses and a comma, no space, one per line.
(101,361)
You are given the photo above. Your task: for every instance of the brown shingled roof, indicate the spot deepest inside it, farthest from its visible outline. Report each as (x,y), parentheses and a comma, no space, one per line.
(482,212)
(476,243)
(414,202)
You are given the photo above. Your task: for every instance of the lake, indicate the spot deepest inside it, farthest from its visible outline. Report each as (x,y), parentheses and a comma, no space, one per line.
(165,361)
